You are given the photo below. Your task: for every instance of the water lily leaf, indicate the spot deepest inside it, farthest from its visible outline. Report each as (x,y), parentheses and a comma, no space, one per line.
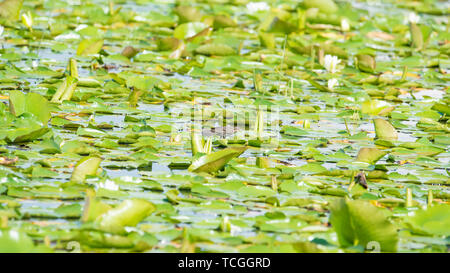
(197,143)
(141,82)
(215,49)
(267,40)
(86,166)
(435,220)
(187,14)
(376,107)
(69,211)
(89,47)
(167,43)
(93,207)
(278,25)
(444,109)
(24,137)
(365,63)
(384,130)
(325,6)
(72,68)
(215,161)
(223,21)
(42,172)
(127,214)
(10,9)
(188,30)
(358,222)
(33,103)
(417,40)
(293,131)
(369,155)
(65,90)
(256,191)
(15,241)
(129,52)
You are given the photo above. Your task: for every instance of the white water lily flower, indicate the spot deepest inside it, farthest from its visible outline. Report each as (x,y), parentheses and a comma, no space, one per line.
(27,19)
(413,18)
(257,6)
(35,63)
(109,185)
(330,63)
(345,26)
(332,83)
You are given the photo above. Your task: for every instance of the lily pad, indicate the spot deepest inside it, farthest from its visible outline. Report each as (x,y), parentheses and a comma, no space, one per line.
(215,161)
(360,223)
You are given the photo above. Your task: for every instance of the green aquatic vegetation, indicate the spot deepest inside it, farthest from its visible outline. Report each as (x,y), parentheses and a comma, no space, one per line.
(215,161)
(433,220)
(10,9)
(86,166)
(224,126)
(384,130)
(65,90)
(360,223)
(32,103)
(126,214)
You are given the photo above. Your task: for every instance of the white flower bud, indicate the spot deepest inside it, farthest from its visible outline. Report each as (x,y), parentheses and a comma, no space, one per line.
(345,26)
(330,63)
(332,83)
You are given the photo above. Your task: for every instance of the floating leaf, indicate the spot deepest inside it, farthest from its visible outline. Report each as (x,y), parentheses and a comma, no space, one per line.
(369,155)
(365,63)
(33,103)
(65,90)
(72,68)
(187,30)
(187,14)
(129,52)
(384,130)
(360,223)
(10,9)
(326,6)
(267,39)
(89,47)
(127,214)
(215,161)
(167,43)
(278,25)
(434,220)
(444,109)
(86,166)
(215,49)
(416,36)
(293,131)
(93,207)
(222,21)
(15,241)
(376,107)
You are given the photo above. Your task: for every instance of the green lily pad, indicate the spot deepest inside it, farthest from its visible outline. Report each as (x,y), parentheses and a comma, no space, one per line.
(360,223)
(188,30)
(86,166)
(369,155)
(215,161)
(10,9)
(127,214)
(33,103)
(384,130)
(433,221)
